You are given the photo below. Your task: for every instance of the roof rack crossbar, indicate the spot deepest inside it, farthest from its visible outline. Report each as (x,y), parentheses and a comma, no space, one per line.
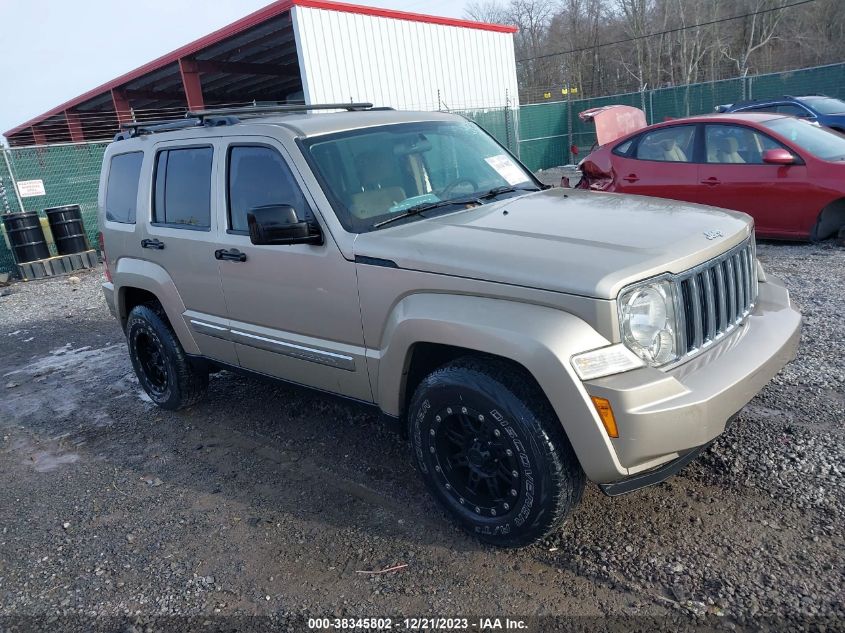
(174,124)
(132,129)
(268,109)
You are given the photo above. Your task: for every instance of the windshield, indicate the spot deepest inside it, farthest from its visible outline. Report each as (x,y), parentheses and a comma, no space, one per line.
(826,105)
(819,141)
(374,174)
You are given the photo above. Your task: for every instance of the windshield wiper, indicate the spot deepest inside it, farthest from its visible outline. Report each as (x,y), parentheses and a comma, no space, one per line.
(476,199)
(426,206)
(497,191)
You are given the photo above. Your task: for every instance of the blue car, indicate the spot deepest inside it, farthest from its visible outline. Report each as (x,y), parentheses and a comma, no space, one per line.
(820,109)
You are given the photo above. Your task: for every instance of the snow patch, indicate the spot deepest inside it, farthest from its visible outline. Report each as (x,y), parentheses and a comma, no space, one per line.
(66,358)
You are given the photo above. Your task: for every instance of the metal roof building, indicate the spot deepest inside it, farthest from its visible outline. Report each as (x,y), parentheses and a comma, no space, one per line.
(300,50)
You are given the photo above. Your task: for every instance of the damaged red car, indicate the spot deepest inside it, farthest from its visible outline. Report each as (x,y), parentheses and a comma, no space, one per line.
(788,174)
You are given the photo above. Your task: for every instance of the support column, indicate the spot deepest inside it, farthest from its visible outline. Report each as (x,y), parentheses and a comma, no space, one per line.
(191,83)
(74,126)
(121,106)
(39,136)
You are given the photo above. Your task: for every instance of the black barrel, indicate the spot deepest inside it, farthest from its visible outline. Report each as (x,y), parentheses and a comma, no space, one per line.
(26,236)
(67,229)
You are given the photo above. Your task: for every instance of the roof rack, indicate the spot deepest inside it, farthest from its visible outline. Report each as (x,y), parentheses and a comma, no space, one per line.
(269,109)
(227,116)
(132,129)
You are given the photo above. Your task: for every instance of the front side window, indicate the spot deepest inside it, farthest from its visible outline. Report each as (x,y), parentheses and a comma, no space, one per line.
(818,141)
(259,176)
(373,174)
(122,187)
(183,187)
(670,144)
(736,144)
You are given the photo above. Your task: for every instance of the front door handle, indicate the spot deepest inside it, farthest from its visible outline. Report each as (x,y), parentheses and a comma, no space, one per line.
(232,255)
(631,178)
(154,244)
(711,181)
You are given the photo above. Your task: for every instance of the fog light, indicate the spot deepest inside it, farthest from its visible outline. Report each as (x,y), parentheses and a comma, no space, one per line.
(605,412)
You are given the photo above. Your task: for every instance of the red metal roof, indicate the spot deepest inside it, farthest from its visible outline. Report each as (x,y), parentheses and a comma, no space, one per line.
(253,19)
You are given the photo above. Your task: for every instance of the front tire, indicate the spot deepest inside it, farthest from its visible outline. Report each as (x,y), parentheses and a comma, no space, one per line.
(492,452)
(163,369)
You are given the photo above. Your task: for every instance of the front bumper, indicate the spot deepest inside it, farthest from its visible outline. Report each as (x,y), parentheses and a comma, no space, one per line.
(664,415)
(653,476)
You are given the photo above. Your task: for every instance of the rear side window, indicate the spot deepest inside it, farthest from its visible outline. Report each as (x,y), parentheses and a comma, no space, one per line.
(669,144)
(793,110)
(772,107)
(183,188)
(623,148)
(122,187)
(259,176)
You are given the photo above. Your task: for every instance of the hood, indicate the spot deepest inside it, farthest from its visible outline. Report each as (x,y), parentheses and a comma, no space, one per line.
(579,242)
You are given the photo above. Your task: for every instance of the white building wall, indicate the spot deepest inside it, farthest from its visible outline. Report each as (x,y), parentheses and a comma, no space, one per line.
(401,63)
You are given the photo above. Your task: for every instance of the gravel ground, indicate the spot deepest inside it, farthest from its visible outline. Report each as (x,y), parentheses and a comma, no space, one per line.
(266,502)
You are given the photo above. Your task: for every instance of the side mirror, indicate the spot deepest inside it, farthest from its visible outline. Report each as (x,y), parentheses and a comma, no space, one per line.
(279,224)
(778,156)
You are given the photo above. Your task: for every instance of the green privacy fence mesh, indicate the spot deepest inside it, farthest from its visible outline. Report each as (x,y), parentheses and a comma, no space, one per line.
(540,134)
(547,130)
(70,174)
(501,123)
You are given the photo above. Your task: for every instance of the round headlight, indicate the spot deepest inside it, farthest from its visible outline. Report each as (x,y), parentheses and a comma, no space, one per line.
(648,322)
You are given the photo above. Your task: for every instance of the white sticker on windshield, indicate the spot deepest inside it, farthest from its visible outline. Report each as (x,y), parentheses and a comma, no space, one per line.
(507,169)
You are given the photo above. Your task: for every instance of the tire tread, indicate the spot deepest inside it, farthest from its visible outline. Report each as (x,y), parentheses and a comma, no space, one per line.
(567,476)
(191,382)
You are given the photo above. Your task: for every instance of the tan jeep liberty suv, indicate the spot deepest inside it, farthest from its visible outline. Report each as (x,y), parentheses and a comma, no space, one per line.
(530,337)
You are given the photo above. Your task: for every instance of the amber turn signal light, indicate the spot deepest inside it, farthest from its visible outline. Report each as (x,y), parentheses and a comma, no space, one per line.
(602,405)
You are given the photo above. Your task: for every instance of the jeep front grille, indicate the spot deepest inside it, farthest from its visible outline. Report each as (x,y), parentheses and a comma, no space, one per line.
(716,296)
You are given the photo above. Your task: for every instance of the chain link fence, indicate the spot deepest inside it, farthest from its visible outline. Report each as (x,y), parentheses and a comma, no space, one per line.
(70,175)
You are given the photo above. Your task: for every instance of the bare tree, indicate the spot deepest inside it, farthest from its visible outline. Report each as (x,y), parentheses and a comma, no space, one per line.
(532,18)
(692,44)
(758,30)
(486,11)
(628,45)
(636,18)
(577,25)
(815,36)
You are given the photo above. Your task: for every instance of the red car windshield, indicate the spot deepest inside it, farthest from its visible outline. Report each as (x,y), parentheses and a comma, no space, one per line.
(820,142)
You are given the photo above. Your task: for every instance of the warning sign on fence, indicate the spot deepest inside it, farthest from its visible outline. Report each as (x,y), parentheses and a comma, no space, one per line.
(31,188)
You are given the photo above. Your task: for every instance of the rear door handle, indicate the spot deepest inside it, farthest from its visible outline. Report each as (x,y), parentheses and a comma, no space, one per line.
(711,181)
(154,244)
(232,255)
(631,178)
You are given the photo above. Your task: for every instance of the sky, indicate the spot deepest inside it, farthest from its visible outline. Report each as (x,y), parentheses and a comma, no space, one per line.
(54,50)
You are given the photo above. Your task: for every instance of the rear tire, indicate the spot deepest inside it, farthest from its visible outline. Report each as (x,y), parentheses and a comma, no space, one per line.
(163,369)
(492,451)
